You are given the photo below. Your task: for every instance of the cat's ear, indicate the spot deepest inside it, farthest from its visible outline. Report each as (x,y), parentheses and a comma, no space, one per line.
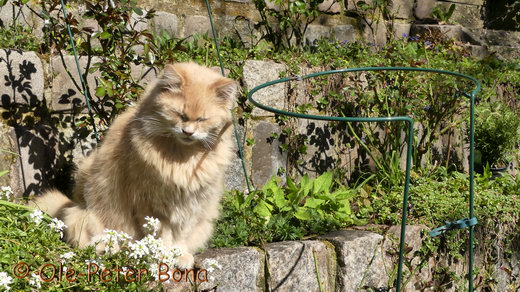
(171,78)
(227,91)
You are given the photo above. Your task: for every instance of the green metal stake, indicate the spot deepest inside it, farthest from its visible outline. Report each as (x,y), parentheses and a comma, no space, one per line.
(84,85)
(471,187)
(237,135)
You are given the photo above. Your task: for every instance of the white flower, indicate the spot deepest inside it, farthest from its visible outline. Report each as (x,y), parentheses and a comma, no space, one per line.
(6,192)
(58,226)
(5,281)
(68,255)
(152,225)
(36,216)
(113,240)
(138,249)
(35,281)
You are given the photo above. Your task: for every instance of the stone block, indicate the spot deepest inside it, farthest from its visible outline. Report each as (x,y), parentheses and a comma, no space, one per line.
(66,96)
(164,22)
(448,31)
(315,32)
(196,24)
(344,33)
(10,160)
(360,259)
(300,266)
(401,30)
(240,28)
(232,269)
(423,9)
(401,8)
(235,178)
(13,14)
(321,145)
(469,16)
(266,157)
(506,52)
(260,72)
(22,78)
(499,37)
(42,156)
(413,243)
(374,31)
(330,7)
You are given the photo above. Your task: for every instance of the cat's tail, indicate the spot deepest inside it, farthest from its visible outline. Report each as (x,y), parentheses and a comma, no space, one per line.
(83,226)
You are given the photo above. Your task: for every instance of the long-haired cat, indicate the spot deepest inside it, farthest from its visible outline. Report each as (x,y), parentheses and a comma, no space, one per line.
(165,157)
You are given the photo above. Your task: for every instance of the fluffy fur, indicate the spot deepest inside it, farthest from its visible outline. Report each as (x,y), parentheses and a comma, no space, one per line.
(164,158)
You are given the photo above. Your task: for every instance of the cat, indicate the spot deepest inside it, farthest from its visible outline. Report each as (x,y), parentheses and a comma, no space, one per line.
(165,158)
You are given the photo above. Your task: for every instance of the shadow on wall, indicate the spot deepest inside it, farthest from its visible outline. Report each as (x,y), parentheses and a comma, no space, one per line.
(43,150)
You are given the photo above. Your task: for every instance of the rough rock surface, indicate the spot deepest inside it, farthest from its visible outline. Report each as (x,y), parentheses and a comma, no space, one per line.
(260,72)
(360,258)
(300,266)
(22,78)
(266,158)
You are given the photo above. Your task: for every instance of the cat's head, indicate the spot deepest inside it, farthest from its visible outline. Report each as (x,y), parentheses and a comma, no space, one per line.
(190,103)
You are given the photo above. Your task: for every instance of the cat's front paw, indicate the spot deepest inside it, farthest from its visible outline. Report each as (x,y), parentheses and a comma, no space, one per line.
(185,261)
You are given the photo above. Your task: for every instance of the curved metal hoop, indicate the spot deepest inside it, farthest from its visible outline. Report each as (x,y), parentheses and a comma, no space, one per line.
(409,121)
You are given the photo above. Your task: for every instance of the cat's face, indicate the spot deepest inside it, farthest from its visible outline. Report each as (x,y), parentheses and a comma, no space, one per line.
(192,105)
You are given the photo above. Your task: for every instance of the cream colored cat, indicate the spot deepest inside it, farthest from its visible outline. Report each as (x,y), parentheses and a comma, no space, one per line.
(164,158)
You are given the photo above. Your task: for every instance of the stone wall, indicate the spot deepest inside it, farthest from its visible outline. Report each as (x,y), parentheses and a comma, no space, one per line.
(42,107)
(345,260)
(341,20)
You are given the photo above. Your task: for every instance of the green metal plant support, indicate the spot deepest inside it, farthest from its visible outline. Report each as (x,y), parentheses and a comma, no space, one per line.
(463,223)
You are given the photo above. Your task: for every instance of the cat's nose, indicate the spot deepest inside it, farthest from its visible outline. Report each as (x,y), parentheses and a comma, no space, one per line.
(187,132)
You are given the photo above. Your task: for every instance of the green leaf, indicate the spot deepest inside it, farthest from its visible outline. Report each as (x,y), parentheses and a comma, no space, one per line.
(313,203)
(3,2)
(138,11)
(322,183)
(302,214)
(450,11)
(4,172)
(100,91)
(118,105)
(263,209)
(105,35)
(305,185)
(279,199)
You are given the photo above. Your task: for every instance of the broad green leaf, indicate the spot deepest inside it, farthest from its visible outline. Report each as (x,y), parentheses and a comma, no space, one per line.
(279,199)
(119,105)
(302,214)
(305,186)
(4,172)
(263,209)
(313,202)
(3,2)
(322,183)
(100,91)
